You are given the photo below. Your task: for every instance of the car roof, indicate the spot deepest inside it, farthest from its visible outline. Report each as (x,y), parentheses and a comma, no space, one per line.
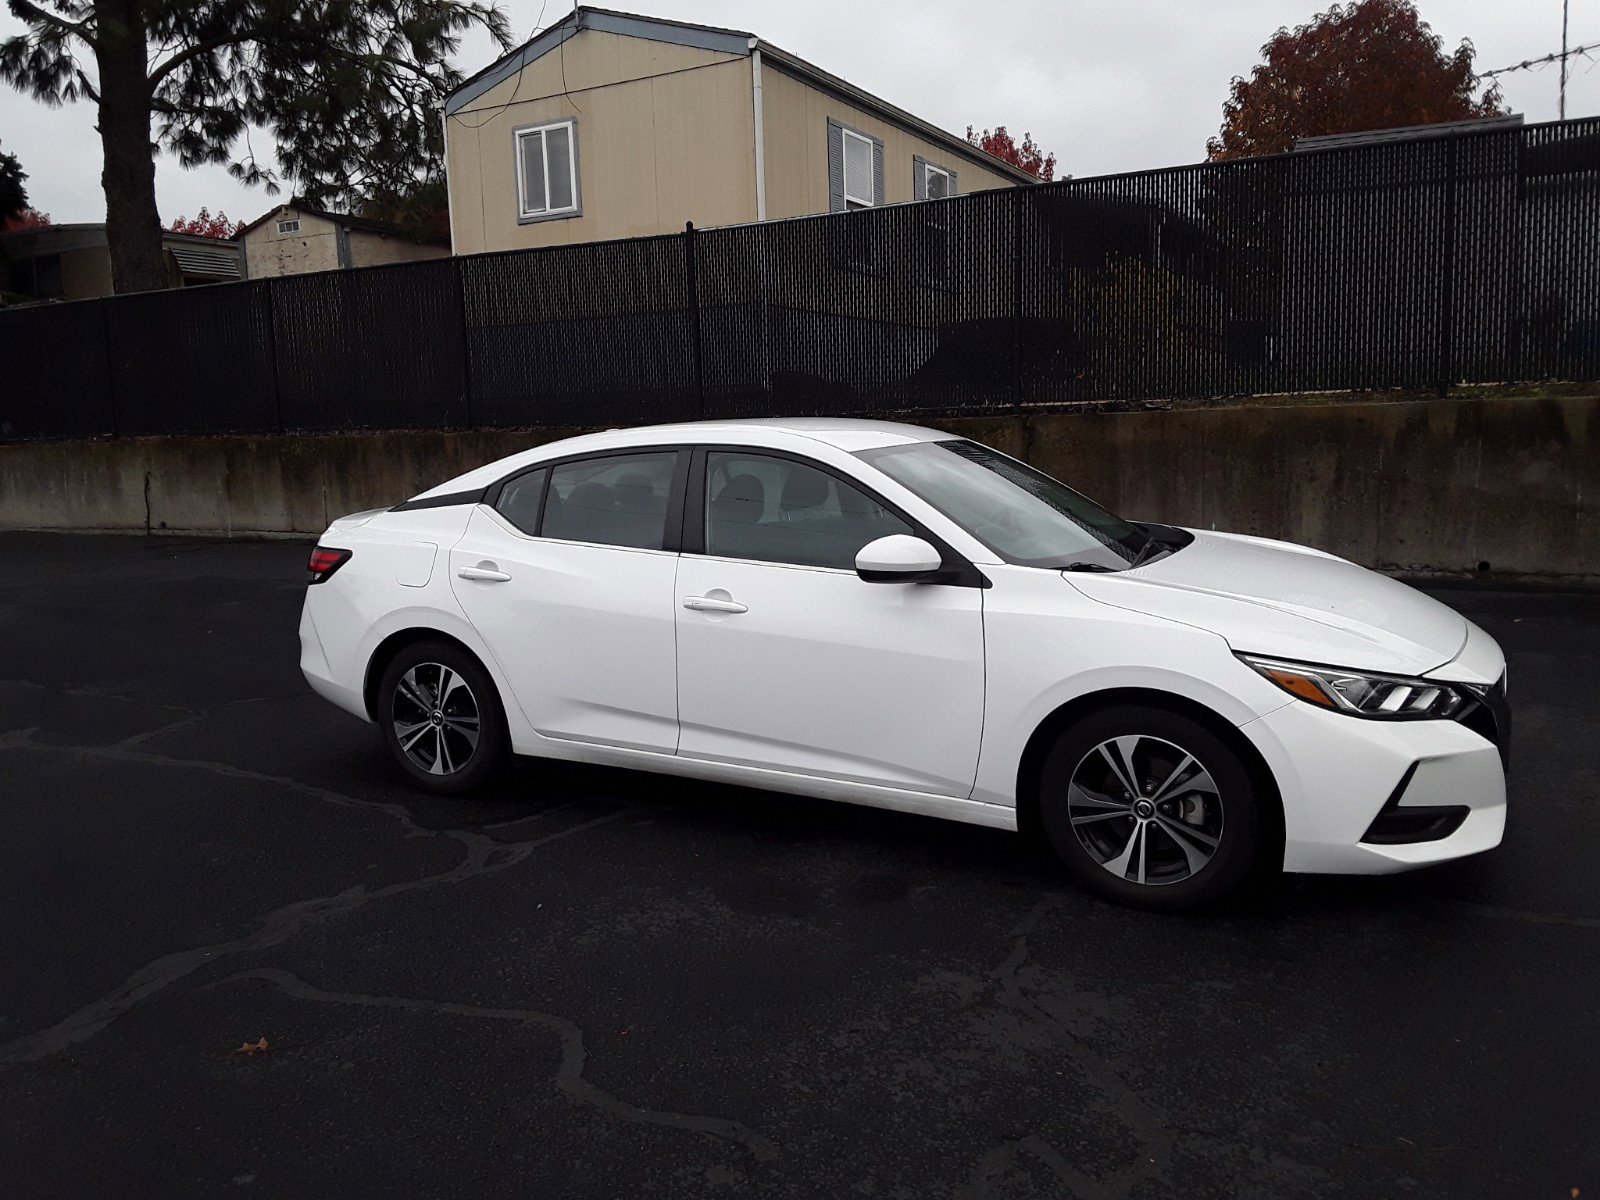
(843,433)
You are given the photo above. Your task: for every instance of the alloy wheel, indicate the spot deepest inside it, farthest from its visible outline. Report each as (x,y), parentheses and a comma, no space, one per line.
(1145,809)
(436,718)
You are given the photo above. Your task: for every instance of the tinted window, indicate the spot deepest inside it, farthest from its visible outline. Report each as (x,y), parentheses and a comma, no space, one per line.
(619,500)
(1021,514)
(519,500)
(779,510)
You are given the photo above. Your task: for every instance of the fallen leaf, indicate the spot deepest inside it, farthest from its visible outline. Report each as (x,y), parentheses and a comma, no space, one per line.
(253,1048)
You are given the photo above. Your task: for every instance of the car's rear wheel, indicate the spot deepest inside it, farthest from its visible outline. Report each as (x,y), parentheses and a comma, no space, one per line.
(1151,808)
(441,718)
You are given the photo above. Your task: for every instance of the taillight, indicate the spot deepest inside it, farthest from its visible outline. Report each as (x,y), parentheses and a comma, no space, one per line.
(325,561)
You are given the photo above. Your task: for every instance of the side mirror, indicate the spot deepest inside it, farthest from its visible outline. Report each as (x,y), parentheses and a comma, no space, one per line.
(898,558)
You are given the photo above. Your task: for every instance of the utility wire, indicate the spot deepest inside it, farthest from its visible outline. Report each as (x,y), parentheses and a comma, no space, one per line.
(1528,64)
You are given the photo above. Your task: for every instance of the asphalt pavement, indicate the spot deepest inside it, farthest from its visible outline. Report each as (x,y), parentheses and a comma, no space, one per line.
(594,983)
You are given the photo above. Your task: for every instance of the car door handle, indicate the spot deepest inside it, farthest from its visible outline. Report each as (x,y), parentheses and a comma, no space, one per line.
(712,604)
(484,574)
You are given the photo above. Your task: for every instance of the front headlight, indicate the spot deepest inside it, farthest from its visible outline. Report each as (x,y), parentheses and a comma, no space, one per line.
(1363,694)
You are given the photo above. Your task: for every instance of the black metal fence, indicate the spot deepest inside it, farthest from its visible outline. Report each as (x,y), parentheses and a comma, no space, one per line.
(1405,264)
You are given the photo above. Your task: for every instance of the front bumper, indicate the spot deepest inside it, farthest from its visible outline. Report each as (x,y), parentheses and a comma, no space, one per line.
(1336,774)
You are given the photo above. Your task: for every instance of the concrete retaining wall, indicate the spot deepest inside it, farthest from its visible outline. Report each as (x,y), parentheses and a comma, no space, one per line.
(1438,485)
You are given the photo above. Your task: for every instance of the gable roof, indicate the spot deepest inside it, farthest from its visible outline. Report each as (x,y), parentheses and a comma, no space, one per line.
(725,41)
(387,228)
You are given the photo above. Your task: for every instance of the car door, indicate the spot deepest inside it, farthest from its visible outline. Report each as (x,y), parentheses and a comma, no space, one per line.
(569,579)
(788,659)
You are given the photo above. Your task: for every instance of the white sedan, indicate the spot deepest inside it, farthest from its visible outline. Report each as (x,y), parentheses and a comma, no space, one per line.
(893,616)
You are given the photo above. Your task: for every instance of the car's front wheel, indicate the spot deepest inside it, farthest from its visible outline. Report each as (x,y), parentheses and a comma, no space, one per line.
(1151,808)
(441,718)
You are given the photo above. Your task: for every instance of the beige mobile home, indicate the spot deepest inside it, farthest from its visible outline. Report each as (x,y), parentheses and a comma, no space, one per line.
(609,125)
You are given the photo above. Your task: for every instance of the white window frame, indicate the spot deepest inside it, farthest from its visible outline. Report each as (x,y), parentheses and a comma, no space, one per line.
(522,136)
(929,170)
(871,200)
(292,225)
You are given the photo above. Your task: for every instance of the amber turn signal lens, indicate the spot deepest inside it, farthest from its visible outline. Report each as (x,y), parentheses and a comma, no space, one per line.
(1301,686)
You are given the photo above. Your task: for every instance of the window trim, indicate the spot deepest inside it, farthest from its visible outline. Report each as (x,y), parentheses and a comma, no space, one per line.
(519,137)
(957,571)
(288,226)
(856,203)
(929,170)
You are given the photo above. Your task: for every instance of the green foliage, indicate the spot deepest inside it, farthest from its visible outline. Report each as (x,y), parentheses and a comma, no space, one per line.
(13,196)
(350,89)
(424,208)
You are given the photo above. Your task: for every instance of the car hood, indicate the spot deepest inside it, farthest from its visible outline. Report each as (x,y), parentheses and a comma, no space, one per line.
(1288,601)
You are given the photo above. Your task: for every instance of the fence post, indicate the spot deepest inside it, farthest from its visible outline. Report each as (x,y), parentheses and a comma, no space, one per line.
(466,342)
(694,314)
(1447,291)
(111,367)
(1016,195)
(272,353)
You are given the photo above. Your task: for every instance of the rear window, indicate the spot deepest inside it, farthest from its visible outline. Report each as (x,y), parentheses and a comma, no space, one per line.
(618,500)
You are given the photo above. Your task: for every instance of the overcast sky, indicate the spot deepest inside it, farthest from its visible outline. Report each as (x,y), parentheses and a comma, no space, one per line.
(1106,86)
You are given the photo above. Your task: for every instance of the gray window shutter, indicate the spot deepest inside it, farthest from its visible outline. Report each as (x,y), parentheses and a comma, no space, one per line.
(919,177)
(953,189)
(835,166)
(877,173)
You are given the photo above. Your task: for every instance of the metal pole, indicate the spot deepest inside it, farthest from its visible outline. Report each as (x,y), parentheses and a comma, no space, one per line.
(111,367)
(694,314)
(467,419)
(1562,104)
(1447,298)
(1016,196)
(272,354)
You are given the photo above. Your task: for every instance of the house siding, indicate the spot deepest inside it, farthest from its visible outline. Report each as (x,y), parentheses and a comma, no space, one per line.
(796,117)
(368,249)
(666,135)
(313,248)
(86,273)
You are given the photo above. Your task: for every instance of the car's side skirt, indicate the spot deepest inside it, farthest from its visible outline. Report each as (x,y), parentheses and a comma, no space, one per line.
(972,812)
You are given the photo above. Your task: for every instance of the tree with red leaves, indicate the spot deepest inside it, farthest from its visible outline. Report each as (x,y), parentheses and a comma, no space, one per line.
(1002,145)
(28,218)
(203,224)
(1371,64)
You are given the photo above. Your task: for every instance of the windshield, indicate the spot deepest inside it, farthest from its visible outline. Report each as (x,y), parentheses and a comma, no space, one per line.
(1024,516)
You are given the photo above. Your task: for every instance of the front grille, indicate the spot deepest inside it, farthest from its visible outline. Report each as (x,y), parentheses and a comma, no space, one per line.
(1490,718)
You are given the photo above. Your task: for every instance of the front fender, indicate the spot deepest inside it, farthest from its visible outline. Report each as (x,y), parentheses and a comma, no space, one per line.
(1049,645)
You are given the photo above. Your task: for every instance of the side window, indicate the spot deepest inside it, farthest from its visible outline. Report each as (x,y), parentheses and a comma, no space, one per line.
(618,500)
(855,169)
(547,171)
(519,500)
(782,511)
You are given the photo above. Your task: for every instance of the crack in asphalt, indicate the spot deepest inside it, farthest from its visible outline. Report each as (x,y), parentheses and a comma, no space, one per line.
(569,1074)
(127,751)
(483,855)
(995,1163)
(1153,1139)
(1498,913)
(90,693)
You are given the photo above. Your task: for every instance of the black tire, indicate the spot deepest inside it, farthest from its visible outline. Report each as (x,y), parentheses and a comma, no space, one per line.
(407,695)
(1213,797)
